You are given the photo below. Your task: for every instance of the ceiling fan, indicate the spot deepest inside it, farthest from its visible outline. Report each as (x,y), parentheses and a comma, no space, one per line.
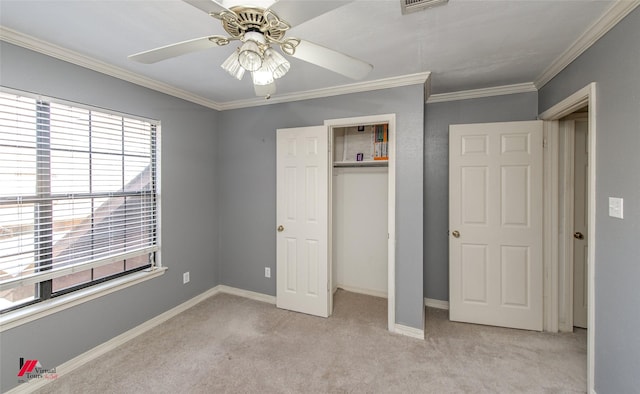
(261,30)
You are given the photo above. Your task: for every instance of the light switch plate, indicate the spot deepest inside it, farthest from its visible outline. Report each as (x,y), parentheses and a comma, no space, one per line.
(616,207)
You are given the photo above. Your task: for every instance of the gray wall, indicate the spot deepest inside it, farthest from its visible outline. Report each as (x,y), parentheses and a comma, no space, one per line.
(614,64)
(188,181)
(247,186)
(439,116)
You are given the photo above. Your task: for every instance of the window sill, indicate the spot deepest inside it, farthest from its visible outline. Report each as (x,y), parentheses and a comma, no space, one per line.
(30,313)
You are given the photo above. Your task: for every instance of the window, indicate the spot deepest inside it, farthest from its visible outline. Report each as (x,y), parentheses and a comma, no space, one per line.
(78,197)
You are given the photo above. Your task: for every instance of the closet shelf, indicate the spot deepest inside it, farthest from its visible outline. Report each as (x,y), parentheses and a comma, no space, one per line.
(366,163)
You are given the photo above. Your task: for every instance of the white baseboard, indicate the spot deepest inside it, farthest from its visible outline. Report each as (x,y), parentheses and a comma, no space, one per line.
(409,331)
(352,289)
(431,303)
(564,327)
(113,343)
(246,294)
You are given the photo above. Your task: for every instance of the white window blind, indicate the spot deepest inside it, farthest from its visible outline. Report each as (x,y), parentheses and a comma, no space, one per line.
(78,189)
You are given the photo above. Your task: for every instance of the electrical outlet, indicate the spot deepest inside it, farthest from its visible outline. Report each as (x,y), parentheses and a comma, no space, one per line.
(185,277)
(267,272)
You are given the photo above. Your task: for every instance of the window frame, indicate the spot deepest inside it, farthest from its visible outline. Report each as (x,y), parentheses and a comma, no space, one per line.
(45,297)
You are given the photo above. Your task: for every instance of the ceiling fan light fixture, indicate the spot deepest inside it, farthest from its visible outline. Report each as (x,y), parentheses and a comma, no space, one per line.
(276,63)
(250,56)
(233,66)
(262,77)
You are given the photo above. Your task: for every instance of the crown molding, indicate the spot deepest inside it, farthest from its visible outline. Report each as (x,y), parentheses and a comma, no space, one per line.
(480,93)
(393,82)
(599,28)
(612,16)
(14,37)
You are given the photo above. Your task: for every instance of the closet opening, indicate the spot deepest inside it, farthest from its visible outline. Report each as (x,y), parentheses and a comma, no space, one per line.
(362,209)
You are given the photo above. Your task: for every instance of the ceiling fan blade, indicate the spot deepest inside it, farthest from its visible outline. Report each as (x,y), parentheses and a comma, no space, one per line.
(332,60)
(295,12)
(180,48)
(265,90)
(208,6)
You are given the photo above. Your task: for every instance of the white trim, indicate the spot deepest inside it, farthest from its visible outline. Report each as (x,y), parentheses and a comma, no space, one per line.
(599,28)
(332,277)
(14,37)
(485,92)
(438,304)
(570,104)
(35,44)
(550,226)
(391,211)
(158,255)
(409,331)
(359,290)
(385,83)
(591,238)
(97,351)
(252,295)
(612,16)
(391,252)
(80,360)
(28,314)
(57,272)
(586,95)
(427,89)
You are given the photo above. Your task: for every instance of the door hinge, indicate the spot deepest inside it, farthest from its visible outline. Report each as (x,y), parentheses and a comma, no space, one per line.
(544,142)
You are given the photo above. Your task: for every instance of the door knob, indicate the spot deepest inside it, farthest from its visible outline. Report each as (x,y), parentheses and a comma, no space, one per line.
(280,228)
(578,235)
(456,233)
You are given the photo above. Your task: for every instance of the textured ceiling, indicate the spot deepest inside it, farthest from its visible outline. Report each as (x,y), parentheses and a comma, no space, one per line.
(466,44)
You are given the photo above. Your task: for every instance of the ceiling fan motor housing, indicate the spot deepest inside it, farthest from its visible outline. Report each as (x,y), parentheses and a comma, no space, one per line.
(252,19)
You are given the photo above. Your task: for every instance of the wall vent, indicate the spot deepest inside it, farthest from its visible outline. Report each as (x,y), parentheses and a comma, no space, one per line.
(409,6)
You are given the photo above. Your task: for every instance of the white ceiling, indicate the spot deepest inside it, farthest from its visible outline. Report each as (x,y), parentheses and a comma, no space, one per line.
(466,44)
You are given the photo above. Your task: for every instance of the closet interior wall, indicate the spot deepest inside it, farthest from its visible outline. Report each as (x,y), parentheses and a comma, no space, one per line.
(360,210)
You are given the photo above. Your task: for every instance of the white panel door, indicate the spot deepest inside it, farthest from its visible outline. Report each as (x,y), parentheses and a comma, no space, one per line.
(581,176)
(495,219)
(302,220)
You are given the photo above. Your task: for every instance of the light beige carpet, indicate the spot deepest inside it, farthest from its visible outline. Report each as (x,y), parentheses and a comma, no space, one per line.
(230,344)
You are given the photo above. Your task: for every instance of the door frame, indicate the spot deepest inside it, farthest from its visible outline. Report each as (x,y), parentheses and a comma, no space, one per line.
(390,119)
(583,97)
